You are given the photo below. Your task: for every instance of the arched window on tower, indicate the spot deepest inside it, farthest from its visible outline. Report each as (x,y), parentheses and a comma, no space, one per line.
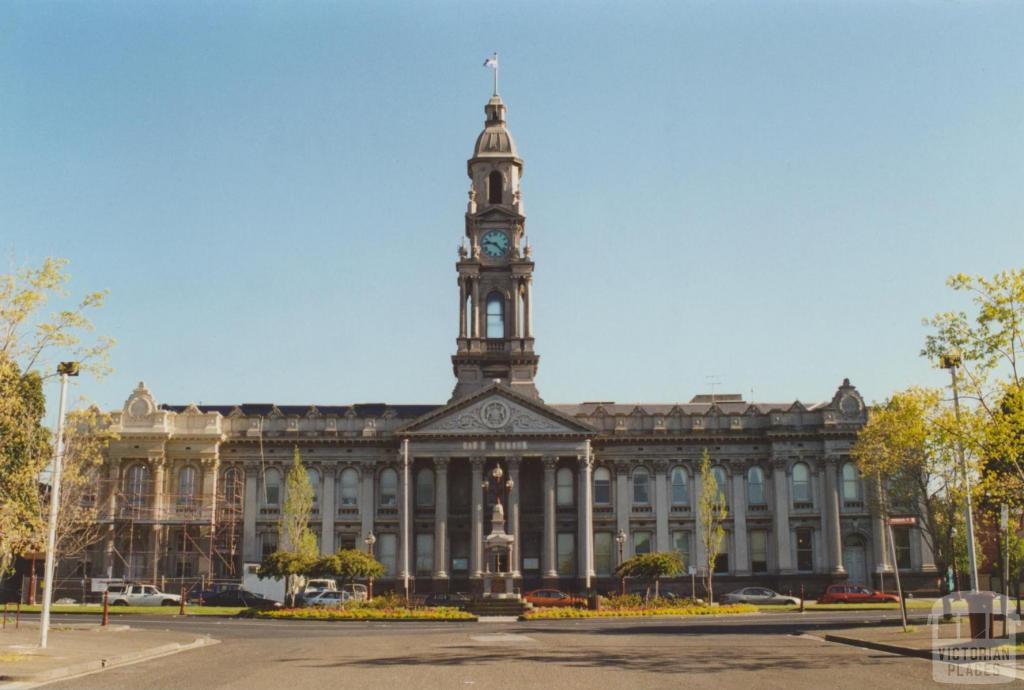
(495,316)
(494,184)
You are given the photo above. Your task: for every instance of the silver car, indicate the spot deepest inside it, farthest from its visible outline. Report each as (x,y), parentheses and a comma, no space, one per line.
(760,596)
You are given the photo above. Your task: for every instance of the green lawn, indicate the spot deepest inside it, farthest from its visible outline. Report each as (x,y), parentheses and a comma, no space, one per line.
(97,609)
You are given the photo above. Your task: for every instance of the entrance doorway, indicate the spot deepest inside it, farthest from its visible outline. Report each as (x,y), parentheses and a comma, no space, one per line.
(854,559)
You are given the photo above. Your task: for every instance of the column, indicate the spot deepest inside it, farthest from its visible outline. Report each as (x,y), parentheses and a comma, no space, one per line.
(462,308)
(249,510)
(327,510)
(700,552)
(661,506)
(476,538)
(879,538)
(927,559)
(780,484)
(550,565)
(513,516)
(623,505)
(741,557)
(367,501)
(514,306)
(440,517)
(210,469)
(584,521)
(156,542)
(476,308)
(832,521)
(527,312)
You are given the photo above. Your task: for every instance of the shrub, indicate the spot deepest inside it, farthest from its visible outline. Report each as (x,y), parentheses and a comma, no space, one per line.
(555,613)
(357,613)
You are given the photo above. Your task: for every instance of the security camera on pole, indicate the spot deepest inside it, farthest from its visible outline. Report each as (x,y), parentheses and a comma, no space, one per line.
(65,369)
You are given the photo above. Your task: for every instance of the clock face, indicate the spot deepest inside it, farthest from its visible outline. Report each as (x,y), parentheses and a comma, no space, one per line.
(494,243)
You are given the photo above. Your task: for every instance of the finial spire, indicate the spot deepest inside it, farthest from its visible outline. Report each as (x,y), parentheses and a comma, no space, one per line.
(492,62)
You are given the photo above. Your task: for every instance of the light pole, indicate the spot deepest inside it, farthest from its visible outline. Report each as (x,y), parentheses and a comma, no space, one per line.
(370,541)
(620,539)
(951,362)
(65,369)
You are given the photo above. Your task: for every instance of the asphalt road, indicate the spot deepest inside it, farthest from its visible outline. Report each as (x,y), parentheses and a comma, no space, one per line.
(764,651)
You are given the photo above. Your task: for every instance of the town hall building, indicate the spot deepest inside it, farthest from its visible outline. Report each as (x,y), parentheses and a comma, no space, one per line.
(196,491)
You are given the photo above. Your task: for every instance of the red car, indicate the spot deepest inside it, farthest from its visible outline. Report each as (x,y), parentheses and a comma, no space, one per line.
(552,597)
(855,594)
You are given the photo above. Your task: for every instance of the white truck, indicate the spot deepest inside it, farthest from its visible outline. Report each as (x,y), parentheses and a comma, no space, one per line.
(140,595)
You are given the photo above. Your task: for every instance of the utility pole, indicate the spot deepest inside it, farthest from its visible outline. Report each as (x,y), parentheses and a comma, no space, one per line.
(951,362)
(65,369)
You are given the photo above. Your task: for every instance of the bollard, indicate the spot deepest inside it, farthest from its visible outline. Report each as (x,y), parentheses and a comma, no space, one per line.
(181,604)
(17,616)
(106,609)
(801,598)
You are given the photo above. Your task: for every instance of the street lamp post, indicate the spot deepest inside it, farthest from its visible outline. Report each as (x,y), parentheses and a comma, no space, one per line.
(65,369)
(620,539)
(951,362)
(370,541)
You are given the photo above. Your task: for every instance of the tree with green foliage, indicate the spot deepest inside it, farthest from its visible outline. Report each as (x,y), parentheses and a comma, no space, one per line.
(289,566)
(712,511)
(651,567)
(348,565)
(296,540)
(30,346)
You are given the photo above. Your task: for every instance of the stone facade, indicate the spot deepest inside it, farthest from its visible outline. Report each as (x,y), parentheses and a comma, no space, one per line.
(197,490)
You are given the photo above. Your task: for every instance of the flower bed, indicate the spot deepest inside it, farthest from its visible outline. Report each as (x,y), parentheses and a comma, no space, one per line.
(367,613)
(565,612)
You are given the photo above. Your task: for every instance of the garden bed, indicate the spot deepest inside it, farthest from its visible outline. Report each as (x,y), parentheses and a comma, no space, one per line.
(367,613)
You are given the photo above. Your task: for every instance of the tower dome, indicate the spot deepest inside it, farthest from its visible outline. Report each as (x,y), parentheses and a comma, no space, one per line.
(495,141)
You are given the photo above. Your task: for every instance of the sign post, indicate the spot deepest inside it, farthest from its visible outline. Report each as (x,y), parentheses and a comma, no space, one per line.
(899,521)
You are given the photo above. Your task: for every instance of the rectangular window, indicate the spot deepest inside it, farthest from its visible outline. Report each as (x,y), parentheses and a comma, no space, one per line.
(805,550)
(722,560)
(273,494)
(424,554)
(602,492)
(531,551)
(755,491)
(603,562)
(681,544)
(460,553)
(268,543)
(566,553)
(641,542)
(901,538)
(387,553)
(759,551)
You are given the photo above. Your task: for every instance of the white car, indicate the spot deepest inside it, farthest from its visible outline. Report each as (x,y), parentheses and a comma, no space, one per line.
(140,595)
(329,598)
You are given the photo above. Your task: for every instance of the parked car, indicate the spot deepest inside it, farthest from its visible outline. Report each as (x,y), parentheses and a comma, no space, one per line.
(314,587)
(552,597)
(140,595)
(758,595)
(855,594)
(328,598)
(233,595)
(458,600)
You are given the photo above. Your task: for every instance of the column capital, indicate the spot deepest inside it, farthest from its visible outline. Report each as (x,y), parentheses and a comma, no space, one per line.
(586,461)
(739,466)
(513,462)
(780,462)
(477,463)
(660,466)
(550,463)
(441,464)
(622,466)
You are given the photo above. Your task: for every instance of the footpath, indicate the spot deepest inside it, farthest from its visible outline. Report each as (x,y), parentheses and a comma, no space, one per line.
(924,641)
(81,648)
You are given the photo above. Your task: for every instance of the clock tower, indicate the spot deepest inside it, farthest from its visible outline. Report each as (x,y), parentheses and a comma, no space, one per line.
(495,269)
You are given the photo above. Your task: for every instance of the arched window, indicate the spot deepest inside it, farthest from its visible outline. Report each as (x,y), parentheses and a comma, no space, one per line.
(755,486)
(641,486)
(388,489)
(851,483)
(314,483)
(349,485)
(272,488)
(495,316)
(424,488)
(137,485)
(495,182)
(680,490)
(232,486)
(801,481)
(721,481)
(602,486)
(186,486)
(563,490)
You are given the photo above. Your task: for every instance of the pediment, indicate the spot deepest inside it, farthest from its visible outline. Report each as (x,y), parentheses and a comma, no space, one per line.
(497,411)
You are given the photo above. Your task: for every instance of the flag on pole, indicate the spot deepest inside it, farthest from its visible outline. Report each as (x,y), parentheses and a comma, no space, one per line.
(491,62)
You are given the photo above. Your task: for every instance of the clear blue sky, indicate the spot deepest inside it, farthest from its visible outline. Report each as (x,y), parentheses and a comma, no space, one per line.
(769,192)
